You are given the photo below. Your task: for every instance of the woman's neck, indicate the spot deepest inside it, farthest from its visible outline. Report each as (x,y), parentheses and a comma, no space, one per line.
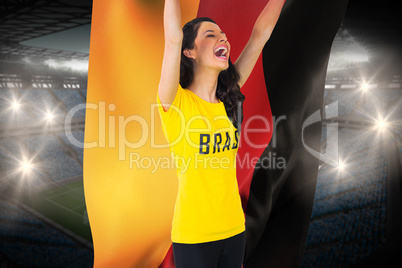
(204,85)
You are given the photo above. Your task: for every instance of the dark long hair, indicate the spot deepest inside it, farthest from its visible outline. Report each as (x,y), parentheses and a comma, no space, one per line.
(228,90)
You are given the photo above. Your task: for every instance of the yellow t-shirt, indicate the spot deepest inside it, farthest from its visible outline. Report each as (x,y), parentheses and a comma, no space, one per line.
(204,145)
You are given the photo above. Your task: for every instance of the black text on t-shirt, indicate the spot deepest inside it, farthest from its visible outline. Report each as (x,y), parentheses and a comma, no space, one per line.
(218,139)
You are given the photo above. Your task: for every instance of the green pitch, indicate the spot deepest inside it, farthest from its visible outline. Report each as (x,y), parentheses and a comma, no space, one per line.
(65,205)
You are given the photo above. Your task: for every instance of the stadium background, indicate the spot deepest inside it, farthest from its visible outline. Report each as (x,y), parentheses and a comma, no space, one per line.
(43,74)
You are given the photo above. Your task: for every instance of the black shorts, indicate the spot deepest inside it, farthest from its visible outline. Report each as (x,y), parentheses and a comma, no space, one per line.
(225,253)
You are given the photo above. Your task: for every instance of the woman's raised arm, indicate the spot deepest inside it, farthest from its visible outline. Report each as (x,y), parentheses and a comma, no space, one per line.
(170,74)
(262,30)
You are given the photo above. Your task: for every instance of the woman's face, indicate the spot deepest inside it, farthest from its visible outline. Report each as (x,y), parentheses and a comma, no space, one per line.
(211,47)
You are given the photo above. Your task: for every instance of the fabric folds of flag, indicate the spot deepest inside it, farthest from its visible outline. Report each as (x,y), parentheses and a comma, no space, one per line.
(281,198)
(130,208)
(130,185)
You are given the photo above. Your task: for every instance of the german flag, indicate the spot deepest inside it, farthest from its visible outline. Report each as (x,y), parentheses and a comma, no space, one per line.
(130,207)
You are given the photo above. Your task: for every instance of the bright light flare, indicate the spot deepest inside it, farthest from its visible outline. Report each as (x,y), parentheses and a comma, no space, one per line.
(49,117)
(341,166)
(15,105)
(52,63)
(26,167)
(78,65)
(381,125)
(364,87)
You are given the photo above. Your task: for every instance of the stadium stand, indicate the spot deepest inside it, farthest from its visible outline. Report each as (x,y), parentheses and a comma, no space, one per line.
(59,165)
(38,102)
(28,241)
(71,98)
(84,92)
(79,136)
(356,209)
(8,101)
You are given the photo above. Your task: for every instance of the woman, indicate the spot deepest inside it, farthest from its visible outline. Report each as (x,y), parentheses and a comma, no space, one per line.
(200,105)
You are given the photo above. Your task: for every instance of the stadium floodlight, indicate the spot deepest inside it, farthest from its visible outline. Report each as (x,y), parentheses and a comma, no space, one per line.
(381,124)
(364,87)
(26,166)
(341,166)
(49,116)
(15,105)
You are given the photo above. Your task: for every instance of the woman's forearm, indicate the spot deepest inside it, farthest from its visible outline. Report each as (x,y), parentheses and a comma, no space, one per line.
(172,21)
(266,21)
(262,30)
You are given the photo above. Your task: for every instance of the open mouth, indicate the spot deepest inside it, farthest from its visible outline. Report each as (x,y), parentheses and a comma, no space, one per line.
(220,52)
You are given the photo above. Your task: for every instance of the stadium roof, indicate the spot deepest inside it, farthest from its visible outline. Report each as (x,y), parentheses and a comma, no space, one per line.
(25,20)
(37,28)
